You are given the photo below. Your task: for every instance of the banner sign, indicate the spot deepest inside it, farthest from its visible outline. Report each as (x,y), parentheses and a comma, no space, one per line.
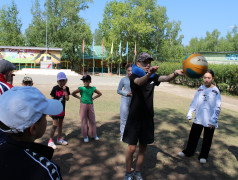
(46,65)
(232,57)
(29,55)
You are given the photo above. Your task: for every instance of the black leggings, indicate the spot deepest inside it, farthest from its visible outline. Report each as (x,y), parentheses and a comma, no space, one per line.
(194,136)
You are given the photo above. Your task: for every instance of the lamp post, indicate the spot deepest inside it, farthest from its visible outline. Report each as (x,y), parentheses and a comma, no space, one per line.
(46,43)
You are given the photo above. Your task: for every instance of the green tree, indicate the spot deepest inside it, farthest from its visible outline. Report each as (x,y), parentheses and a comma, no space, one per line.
(171,45)
(10,26)
(98,36)
(234,39)
(35,34)
(213,42)
(143,22)
(65,28)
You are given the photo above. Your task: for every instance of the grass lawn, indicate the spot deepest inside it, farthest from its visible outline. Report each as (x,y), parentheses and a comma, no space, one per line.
(104,159)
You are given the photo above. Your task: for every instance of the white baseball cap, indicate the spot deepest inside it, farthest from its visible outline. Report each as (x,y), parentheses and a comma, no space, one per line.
(20,107)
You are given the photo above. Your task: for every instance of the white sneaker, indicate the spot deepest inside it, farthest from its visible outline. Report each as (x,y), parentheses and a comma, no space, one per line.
(86,139)
(96,138)
(61,141)
(203,160)
(52,144)
(181,154)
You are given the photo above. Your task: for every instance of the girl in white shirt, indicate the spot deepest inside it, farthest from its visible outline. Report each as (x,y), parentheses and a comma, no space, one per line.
(207,106)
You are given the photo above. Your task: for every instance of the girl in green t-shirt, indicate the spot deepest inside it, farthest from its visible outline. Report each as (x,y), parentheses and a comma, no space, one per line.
(87,115)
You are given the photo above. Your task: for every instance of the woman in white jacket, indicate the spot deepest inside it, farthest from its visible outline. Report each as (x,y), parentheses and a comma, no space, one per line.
(207,106)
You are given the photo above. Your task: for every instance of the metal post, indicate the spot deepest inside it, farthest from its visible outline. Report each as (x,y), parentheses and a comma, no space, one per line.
(102,64)
(83,64)
(93,63)
(111,65)
(46,36)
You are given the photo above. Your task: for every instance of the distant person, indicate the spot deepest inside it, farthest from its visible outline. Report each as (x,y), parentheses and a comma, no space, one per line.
(87,114)
(6,80)
(27,81)
(140,122)
(10,81)
(23,118)
(124,90)
(207,105)
(61,93)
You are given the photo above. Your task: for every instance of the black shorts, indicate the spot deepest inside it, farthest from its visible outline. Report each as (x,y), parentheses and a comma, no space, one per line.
(142,131)
(57,117)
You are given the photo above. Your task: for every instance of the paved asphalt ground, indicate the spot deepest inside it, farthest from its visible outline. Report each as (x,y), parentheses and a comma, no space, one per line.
(110,83)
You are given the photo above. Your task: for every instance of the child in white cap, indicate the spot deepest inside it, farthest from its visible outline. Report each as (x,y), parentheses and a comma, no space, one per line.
(23,113)
(61,93)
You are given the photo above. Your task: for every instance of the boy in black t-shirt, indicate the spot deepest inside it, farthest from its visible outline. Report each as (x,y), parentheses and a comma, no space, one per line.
(140,122)
(61,93)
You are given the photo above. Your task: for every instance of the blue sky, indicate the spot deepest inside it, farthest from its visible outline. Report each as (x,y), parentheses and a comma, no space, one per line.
(197,17)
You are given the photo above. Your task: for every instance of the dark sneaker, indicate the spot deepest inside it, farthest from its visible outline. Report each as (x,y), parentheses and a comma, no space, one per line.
(137,176)
(128,176)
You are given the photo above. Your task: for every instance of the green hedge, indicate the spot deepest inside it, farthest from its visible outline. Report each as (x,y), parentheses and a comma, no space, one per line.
(226,76)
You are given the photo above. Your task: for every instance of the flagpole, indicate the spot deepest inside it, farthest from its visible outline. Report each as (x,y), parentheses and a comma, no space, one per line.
(120,65)
(102,57)
(111,65)
(112,56)
(102,64)
(134,53)
(93,63)
(120,59)
(83,57)
(108,67)
(127,51)
(92,51)
(83,63)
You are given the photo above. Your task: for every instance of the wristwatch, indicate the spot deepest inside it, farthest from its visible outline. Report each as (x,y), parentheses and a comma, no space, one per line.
(175,73)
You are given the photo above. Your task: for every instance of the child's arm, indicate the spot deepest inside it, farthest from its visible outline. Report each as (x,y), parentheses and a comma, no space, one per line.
(52,93)
(66,95)
(119,89)
(75,94)
(193,106)
(98,94)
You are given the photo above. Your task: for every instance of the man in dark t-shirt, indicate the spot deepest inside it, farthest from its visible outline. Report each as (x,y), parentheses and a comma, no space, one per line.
(140,122)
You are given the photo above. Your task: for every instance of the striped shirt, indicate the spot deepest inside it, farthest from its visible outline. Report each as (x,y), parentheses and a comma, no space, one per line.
(4,86)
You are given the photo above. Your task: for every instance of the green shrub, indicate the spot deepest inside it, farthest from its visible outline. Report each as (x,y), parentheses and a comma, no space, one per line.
(223,87)
(226,76)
